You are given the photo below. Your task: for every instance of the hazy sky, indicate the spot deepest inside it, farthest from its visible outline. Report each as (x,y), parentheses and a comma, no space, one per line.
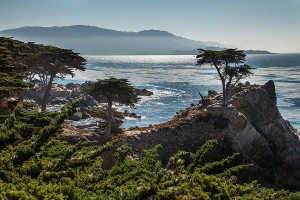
(248,24)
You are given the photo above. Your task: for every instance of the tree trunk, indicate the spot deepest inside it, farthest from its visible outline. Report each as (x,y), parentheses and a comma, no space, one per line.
(224,92)
(46,94)
(109,117)
(202,100)
(21,95)
(223,84)
(227,91)
(230,89)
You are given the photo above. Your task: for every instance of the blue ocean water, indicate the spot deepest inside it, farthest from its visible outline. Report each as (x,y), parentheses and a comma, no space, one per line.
(175,81)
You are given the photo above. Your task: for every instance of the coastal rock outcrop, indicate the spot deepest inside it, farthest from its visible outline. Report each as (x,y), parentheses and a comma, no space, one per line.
(143,92)
(251,124)
(60,94)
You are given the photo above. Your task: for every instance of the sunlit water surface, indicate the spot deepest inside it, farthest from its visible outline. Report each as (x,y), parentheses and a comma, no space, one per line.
(175,81)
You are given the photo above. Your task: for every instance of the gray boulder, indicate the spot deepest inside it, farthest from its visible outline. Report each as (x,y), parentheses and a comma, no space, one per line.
(87,101)
(58,101)
(76,116)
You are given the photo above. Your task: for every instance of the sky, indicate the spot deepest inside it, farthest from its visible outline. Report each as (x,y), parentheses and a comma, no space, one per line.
(272,25)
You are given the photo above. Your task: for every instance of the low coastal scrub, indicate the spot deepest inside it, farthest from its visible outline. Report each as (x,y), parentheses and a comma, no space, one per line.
(36,162)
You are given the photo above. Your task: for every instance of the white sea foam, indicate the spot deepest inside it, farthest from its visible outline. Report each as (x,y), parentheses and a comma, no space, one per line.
(54,108)
(86,122)
(133,118)
(175,81)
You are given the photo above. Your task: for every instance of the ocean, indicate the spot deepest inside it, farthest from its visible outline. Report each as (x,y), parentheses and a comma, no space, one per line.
(175,81)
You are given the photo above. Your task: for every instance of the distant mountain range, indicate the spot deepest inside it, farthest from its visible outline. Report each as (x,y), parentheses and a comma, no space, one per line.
(91,40)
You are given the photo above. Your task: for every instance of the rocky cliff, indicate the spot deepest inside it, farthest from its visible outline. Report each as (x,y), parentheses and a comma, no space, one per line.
(251,125)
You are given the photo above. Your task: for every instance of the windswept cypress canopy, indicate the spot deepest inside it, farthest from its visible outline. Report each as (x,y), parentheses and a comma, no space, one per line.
(230,67)
(114,90)
(27,61)
(11,80)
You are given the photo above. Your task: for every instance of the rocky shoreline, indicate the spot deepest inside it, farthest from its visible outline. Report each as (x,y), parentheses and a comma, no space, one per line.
(250,125)
(88,108)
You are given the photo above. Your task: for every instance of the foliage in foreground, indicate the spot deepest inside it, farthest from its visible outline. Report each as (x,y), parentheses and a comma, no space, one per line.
(37,163)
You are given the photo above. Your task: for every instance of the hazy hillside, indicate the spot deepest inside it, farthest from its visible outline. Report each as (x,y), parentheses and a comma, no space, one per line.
(93,40)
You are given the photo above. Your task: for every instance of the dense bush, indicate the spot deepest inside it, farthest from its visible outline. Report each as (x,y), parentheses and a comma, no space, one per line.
(36,162)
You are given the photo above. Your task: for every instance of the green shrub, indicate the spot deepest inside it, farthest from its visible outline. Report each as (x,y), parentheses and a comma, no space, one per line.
(37,163)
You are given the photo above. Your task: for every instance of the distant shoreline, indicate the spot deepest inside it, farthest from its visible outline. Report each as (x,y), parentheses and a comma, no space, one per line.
(258,52)
(88,40)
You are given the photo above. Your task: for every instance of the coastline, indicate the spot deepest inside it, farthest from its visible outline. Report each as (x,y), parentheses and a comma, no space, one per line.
(179,82)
